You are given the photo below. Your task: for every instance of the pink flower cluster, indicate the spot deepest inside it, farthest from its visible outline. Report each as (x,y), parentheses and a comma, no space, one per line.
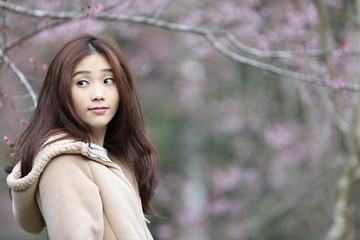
(23,122)
(7,140)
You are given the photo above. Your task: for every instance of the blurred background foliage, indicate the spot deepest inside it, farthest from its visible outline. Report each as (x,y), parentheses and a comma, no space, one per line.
(244,154)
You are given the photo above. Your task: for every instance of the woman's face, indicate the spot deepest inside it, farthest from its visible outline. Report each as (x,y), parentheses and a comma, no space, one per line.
(93,92)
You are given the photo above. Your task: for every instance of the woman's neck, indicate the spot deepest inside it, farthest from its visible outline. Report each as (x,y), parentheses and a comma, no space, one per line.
(98,136)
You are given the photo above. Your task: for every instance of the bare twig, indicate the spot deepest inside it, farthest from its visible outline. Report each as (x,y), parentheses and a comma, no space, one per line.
(340,122)
(52,25)
(332,104)
(32,34)
(287,54)
(276,70)
(106,17)
(2,33)
(113,5)
(40,13)
(21,77)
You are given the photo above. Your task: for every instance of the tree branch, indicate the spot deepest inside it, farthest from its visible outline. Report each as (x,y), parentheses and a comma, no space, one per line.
(340,122)
(30,35)
(276,70)
(154,21)
(52,25)
(21,77)
(106,17)
(287,54)
(209,34)
(342,212)
(40,13)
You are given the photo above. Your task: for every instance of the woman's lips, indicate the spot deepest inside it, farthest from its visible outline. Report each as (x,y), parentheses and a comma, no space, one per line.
(99,110)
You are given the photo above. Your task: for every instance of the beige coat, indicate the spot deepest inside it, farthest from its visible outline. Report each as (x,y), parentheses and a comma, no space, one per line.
(77,192)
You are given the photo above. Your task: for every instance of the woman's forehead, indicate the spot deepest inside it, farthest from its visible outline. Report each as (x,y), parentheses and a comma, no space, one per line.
(92,62)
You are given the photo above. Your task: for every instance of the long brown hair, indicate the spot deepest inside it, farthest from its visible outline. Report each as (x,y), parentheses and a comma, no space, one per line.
(125,136)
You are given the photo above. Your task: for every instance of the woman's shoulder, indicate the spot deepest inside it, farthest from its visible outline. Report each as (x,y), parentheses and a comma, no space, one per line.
(67,165)
(67,160)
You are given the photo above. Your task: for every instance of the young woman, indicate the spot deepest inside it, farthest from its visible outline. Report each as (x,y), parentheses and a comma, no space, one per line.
(84,167)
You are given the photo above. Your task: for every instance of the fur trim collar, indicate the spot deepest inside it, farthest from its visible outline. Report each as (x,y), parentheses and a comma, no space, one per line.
(47,152)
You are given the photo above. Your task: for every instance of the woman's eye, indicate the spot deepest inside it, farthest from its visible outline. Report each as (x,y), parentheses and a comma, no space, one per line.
(108,81)
(82,83)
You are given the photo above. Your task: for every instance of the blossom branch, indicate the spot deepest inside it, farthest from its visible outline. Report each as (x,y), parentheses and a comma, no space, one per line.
(342,224)
(276,70)
(40,13)
(325,40)
(52,25)
(207,33)
(340,123)
(287,54)
(32,34)
(172,26)
(342,212)
(21,77)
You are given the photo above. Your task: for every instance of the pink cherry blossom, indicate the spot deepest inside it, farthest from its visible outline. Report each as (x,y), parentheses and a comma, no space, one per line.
(279,135)
(97,8)
(23,122)
(43,66)
(4,27)
(7,141)
(32,60)
(343,45)
(337,83)
(327,77)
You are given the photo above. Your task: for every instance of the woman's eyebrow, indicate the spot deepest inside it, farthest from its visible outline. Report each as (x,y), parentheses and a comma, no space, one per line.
(88,72)
(81,72)
(107,70)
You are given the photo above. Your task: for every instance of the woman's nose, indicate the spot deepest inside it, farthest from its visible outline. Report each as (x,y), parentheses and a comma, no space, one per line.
(97,94)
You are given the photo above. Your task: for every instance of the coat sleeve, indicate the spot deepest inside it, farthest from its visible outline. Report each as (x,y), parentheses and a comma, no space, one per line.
(70,200)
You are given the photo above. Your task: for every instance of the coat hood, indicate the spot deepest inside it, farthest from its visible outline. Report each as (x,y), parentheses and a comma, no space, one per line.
(25,208)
